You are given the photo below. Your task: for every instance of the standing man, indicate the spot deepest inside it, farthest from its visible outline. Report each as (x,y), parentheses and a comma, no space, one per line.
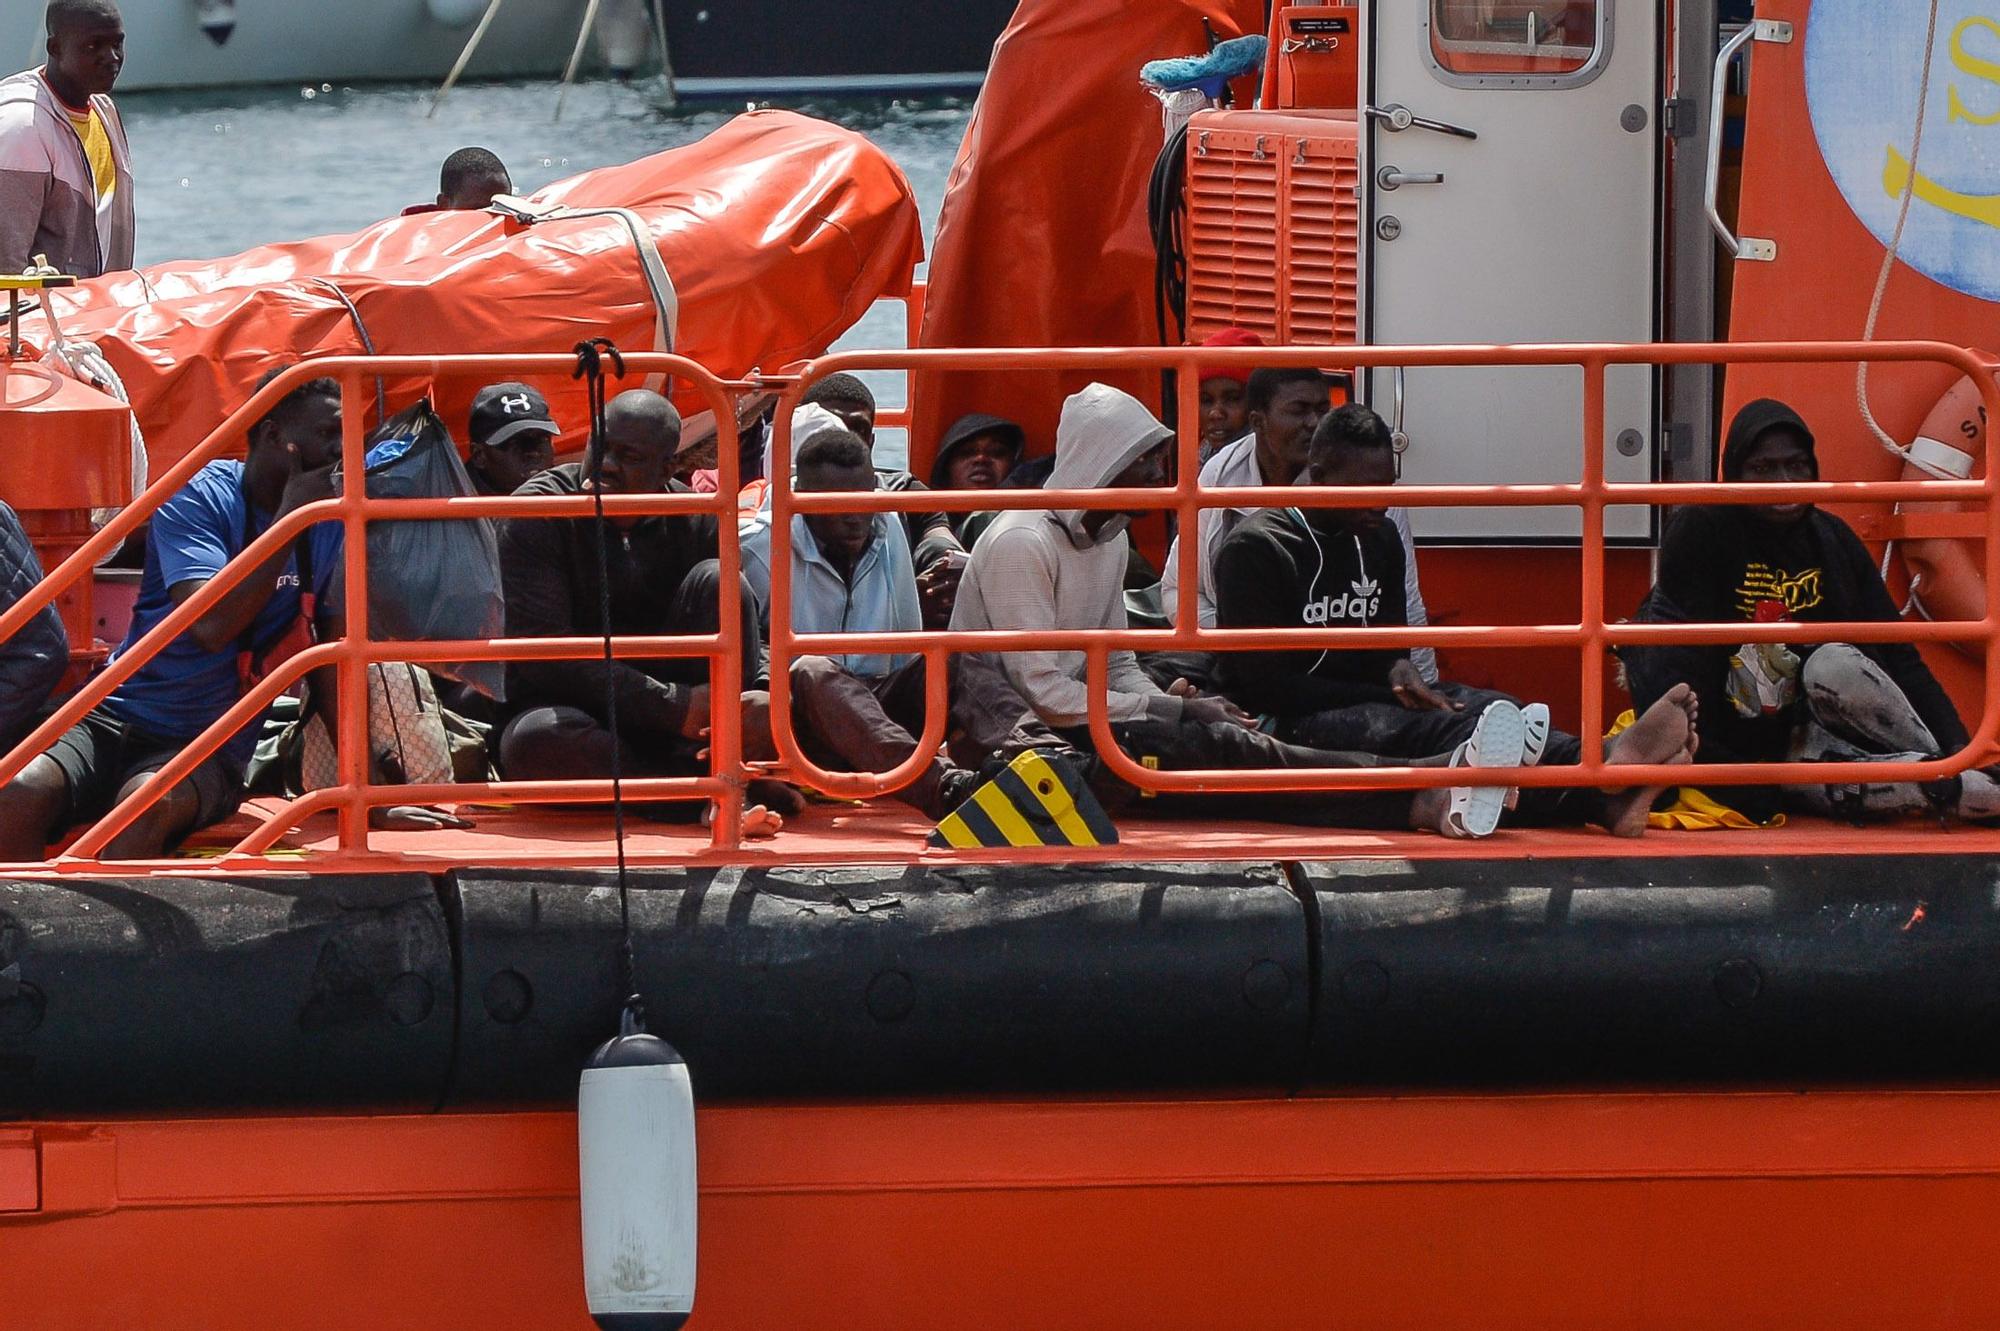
(65,168)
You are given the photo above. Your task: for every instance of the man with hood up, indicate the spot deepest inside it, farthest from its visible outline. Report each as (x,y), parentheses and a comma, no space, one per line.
(65,168)
(1048,569)
(1807,702)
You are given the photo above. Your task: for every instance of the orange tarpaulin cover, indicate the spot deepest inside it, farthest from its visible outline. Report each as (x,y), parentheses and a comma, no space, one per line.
(778,231)
(1043,238)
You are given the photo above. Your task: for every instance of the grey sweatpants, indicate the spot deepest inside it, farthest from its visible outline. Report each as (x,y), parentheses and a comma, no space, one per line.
(1855,713)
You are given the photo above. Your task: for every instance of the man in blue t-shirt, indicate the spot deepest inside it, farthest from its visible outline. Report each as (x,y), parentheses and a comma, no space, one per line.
(184,689)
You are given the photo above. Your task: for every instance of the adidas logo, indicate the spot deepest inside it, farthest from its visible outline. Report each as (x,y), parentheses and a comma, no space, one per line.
(1364,602)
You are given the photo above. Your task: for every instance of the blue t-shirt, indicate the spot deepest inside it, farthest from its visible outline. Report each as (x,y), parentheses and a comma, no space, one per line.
(184,689)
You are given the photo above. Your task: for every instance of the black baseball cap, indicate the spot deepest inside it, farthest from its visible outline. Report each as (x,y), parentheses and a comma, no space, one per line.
(502,411)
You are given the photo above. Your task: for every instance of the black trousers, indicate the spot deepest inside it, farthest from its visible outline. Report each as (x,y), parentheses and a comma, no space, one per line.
(1394,731)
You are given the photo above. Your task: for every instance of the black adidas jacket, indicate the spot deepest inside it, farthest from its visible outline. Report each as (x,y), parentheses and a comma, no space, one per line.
(1293,568)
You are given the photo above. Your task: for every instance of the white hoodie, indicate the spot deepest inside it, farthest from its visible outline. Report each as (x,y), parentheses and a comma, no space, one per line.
(1040,569)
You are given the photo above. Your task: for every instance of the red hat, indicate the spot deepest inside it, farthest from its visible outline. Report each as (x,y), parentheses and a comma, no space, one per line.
(1230,337)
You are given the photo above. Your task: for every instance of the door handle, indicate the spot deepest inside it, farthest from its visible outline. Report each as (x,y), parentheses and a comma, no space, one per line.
(1390,177)
(1398,118)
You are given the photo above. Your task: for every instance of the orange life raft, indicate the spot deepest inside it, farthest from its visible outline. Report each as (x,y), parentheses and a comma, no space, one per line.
(778,231)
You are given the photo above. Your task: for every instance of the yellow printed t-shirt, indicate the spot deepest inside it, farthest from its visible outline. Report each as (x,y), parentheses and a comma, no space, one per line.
(97,149)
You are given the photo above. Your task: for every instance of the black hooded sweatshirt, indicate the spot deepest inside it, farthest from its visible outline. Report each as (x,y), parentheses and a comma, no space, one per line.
(1722,563)
(1296,568)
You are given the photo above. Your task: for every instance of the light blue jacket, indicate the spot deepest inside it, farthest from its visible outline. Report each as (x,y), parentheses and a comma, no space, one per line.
(881,599)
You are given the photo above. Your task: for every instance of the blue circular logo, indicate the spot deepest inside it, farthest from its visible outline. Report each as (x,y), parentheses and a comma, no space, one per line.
(1864,68)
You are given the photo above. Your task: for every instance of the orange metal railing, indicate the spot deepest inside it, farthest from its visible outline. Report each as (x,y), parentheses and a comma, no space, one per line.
(1592,635)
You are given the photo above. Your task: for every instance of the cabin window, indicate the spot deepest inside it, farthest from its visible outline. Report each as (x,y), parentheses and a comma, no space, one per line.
(1517,43)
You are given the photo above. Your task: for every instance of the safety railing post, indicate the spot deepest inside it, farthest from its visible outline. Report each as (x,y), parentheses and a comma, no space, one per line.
(1591,608)
(1187,492)
(352,748)
(725,675)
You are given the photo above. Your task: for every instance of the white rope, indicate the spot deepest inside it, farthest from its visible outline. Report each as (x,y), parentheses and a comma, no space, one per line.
(1889,260)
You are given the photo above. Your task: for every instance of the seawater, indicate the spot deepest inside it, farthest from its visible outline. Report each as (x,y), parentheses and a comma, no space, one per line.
(218,171)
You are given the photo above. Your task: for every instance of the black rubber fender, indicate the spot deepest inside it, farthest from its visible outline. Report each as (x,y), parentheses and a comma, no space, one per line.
(212,992)
(1637,971)
(799,982)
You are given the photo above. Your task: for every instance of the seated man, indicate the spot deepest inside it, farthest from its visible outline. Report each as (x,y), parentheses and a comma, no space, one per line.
(188,686)
(512,438)
(664,579)
(1343,568)
(852,573)
(978,452)
(939,555)
(1284,408)
(1225,408)
(1831,702)
(33,660)
(1045,569)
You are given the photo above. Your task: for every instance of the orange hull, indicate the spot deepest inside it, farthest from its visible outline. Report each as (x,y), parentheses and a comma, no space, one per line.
(1679,1210)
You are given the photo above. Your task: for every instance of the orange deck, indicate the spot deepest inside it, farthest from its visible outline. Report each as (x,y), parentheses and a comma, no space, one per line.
(889,833)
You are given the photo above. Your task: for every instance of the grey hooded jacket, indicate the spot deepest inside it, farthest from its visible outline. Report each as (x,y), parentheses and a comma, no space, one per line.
(48,200)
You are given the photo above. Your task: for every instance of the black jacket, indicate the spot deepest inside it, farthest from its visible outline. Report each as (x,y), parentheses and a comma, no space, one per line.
(1722,564)
(33,660)
(549,569)
(1293,568)
(932,535)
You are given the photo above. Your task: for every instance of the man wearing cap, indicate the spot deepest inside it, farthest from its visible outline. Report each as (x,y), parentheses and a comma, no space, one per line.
(1765,702)
(513,438)
(1225,408)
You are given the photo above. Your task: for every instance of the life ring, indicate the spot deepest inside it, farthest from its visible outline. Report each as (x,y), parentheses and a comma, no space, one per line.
(1947,573)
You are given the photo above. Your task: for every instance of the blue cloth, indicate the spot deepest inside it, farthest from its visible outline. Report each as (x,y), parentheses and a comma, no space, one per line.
(184,689)
(1233,59)
(881,599)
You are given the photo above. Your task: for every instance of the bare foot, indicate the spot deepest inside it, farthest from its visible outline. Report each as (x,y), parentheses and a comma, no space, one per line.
(760,822)
(1665,734)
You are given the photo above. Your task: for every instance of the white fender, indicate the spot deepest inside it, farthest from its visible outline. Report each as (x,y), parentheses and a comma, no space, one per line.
(636,1154)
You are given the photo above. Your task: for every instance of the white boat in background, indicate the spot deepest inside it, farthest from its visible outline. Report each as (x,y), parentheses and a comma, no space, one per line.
(217,43)
(717,48)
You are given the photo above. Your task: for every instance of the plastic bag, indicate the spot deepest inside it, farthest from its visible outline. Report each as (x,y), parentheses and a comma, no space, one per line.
(431,579)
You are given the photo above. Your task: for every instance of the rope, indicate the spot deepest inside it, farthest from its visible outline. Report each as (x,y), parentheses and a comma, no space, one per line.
(1889,260)
(367,343)
(590,359)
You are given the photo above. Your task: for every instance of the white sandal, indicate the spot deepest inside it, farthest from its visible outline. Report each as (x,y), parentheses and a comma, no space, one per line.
(1499,739)
(1535,720)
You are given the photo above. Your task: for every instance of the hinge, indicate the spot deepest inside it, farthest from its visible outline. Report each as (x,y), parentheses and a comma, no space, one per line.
(1679,116)
(1772,30)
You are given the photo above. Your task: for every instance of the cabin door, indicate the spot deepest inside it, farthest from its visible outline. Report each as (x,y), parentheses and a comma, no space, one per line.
(1541,229)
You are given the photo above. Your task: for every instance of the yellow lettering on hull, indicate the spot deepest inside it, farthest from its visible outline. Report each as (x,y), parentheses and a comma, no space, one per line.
(1981,208)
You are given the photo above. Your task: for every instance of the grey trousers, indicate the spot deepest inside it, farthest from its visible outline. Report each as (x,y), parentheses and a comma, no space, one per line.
(1855,713)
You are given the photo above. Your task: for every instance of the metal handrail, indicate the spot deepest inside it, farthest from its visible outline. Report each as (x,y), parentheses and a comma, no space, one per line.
(354,795)
(1593,494)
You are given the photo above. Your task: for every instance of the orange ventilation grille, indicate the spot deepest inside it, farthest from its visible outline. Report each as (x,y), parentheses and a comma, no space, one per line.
(1273,225)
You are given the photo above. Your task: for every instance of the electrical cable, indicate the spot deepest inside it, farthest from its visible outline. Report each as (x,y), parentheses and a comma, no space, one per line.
(590,359)
(1165,214)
